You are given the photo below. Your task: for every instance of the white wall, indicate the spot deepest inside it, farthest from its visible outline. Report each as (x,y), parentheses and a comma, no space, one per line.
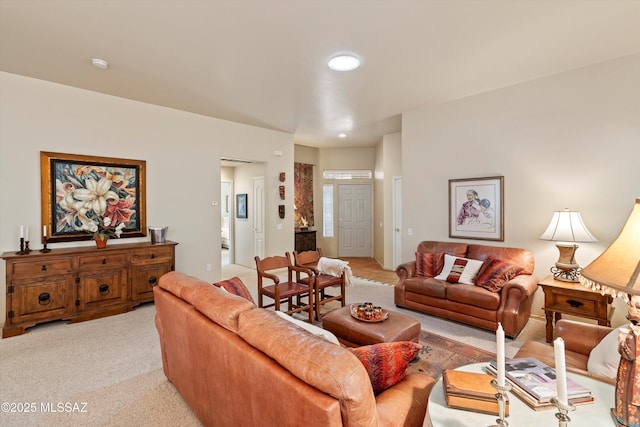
(182,153)
(566,141)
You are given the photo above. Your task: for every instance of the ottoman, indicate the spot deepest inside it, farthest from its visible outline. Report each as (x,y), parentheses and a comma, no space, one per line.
(354,333)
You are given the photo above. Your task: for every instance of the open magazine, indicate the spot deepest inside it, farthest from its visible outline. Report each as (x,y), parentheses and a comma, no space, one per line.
(538,379)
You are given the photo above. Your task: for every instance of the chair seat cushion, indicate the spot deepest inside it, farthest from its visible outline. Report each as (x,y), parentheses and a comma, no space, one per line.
(287,289)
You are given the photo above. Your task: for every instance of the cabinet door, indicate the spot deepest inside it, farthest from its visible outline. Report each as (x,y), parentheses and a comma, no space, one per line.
(43,298)
(102,288)
(144,278)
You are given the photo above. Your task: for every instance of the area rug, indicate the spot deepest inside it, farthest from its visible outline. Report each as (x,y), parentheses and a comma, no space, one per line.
(439,353)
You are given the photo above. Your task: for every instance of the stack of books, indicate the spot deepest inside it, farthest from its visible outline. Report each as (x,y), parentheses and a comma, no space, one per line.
(471,391)
(535,383)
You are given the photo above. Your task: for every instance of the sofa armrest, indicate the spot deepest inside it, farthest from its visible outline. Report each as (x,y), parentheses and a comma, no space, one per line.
(580,337)
(406,270)
(527,284)
(405,404)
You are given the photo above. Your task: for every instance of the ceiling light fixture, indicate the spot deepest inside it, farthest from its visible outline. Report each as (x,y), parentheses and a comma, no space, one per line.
(342,135)
(344,63)
(100,63)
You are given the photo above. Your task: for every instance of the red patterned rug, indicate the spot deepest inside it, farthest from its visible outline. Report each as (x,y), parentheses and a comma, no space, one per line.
(439,353)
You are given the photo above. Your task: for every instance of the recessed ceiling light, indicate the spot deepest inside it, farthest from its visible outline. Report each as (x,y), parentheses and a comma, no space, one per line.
(342,135)
(100,63)
(344,63)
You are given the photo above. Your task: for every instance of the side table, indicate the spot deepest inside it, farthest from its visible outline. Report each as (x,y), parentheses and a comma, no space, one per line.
(597,413)
(573,299)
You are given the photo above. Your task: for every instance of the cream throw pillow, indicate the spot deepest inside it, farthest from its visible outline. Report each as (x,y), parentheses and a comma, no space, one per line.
(313,329)
(465,268)
(604,357)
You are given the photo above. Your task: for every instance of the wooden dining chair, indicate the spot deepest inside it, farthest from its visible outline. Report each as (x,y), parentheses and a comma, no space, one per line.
(320,281)
(291,291)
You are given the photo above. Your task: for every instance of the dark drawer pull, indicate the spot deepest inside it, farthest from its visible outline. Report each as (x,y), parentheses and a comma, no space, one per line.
(104,289)
(153,256)
(152,280)
(44,267)
(44,298)
(573,303)
(104,260)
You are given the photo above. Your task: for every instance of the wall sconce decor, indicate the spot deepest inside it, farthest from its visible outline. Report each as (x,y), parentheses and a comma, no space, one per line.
(281,189)
(281,211)
(282,176)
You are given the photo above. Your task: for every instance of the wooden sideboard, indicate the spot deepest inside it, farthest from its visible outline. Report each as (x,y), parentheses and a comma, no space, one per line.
(81,283)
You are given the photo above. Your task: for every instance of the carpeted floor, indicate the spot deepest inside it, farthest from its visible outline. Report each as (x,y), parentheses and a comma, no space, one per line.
(113,364)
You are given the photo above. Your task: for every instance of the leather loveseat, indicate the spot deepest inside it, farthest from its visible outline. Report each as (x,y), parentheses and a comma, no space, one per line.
(580,339)
(238,365)
(473,305)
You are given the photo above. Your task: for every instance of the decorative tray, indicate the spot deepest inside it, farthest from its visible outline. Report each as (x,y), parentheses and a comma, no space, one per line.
(380,316)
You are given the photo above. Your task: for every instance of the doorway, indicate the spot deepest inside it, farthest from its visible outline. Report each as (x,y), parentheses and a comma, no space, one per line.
(354,220)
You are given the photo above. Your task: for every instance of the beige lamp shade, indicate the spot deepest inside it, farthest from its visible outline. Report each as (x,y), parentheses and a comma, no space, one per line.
(617,270)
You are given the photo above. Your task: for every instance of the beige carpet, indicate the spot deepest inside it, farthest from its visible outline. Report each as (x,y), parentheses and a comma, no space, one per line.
(113,365)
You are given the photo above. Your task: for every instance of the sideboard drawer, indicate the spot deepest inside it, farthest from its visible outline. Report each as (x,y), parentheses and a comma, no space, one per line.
(45,267)
(109,260)
(155,254)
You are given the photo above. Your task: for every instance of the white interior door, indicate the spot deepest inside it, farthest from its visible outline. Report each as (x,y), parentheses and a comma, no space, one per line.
(397,221)
(258,216)
(354,216)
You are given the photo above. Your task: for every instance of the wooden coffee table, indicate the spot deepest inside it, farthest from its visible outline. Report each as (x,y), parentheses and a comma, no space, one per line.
(354,333)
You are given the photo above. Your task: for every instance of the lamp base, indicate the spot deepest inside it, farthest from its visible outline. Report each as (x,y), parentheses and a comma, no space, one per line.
(566,275)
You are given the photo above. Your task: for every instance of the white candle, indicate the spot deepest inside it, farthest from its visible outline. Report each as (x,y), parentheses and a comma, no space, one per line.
(26,233)
(22,231)
(44,231)
(500,353)
(561,371)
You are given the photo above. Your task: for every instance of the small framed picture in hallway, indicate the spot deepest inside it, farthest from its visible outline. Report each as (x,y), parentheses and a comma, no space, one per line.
(241,206)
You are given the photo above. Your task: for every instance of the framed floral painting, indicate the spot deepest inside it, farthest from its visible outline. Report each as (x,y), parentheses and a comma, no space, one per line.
(476,208)
(85,195)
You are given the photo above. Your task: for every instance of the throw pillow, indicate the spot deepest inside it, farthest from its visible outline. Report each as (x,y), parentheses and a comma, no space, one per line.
(604,359)
(386,363)
(496,272)
(429,264)
(236,287)
(459,270)
(312,329)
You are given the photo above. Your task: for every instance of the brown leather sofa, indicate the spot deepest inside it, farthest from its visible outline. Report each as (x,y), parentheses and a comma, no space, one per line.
(238,365)
(473,305)
(579,339)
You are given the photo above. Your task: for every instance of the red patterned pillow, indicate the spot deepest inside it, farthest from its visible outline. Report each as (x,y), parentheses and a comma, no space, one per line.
(386,363)
(495,272)
(429,264)
(236,287)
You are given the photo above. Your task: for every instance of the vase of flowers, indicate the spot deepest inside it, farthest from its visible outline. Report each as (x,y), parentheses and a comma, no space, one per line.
(102,230)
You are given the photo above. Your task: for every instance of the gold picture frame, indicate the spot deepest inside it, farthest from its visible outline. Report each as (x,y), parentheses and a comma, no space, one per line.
(81,193)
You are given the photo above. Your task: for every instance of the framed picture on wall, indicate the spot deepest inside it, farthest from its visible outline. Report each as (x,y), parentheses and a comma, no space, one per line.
(241,206)
(82,194)
(476,208)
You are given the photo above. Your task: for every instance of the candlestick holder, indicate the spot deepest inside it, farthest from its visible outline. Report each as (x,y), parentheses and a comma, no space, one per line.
(562,414)
(24,247)
(44,245)
(503,398)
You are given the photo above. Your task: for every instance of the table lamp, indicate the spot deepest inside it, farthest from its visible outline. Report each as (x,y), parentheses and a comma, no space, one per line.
(567,228)
(617,272)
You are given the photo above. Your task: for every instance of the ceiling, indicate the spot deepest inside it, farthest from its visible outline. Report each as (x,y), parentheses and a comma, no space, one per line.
(263,62)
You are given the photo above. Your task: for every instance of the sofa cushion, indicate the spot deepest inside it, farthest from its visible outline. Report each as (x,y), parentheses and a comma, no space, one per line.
(182,285)
(235,286)
(312,329)
(330,368)
(426,286)
(386,363)
(495,272)
(221,306)
(459,270)
(604,359)
(473,295)
(429,264)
